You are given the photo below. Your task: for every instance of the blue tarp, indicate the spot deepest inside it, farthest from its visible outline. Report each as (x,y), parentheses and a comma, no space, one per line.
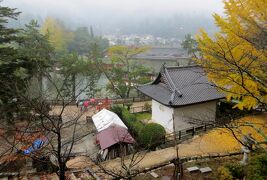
(37,144)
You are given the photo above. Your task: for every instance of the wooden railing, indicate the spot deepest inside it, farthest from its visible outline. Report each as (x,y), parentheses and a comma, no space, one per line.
(130,100)
(187,133)
(113,101)
(138,109)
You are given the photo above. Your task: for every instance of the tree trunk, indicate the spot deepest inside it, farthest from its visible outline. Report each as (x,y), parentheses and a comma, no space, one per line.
(73,82)
(62,172)
(61,162)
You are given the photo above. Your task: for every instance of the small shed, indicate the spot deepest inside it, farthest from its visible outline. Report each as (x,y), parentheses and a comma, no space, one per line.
(105,118)
(113,136)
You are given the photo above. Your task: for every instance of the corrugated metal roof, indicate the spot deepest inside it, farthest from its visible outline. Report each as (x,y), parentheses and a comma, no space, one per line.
(189,85)
(113,135)
(105,118)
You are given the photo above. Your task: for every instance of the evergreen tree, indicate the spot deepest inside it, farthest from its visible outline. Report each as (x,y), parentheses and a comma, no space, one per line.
(38,50)
(78,72)
(23,55)
(84,41)
(190,45)
(81,41)
(13,65)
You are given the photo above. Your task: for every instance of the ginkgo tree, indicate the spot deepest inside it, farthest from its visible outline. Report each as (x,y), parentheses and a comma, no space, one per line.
(59,35)
(235,58)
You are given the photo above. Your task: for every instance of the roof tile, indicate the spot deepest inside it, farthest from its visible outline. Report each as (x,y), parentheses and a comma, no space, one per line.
(190,81)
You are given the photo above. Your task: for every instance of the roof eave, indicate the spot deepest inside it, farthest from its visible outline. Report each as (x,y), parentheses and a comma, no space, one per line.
(177,106)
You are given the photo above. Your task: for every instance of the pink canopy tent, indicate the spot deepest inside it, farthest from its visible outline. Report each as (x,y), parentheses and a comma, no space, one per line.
(112,135)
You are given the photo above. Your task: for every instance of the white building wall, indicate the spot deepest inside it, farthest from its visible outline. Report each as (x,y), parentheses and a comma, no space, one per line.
(194,115)
(184,117)
(162,115)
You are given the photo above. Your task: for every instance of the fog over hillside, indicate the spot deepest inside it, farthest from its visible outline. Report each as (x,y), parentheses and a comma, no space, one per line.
(164,18)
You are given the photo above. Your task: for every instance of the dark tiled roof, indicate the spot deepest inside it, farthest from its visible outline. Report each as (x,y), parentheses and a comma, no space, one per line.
(179,86)
(156,53)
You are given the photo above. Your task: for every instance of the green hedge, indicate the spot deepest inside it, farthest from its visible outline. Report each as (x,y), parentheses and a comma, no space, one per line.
(149,135)
(152,135)
(129,120)
(118,110)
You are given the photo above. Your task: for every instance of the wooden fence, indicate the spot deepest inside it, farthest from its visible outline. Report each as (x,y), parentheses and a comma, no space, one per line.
(138,109)
(187,133)
(112,101)
(130,100)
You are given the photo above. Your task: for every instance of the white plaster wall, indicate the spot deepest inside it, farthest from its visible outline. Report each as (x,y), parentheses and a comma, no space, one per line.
(162,115)
(194,115)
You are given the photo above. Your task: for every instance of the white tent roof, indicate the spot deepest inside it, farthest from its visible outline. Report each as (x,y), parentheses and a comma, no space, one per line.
(104,118)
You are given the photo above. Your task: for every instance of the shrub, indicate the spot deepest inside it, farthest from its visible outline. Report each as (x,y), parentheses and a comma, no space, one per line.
(143,116)
(224,174)
(257,167)
(118,110)
(152,135)
(149,135)
(132,123)
(127,116)
(236,170)
(129,120)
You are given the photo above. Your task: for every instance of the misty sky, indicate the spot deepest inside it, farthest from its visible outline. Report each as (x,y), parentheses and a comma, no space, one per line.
(82,8)
(100,13)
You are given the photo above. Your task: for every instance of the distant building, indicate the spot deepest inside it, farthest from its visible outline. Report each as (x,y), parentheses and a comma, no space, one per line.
(183,93)
(157,56)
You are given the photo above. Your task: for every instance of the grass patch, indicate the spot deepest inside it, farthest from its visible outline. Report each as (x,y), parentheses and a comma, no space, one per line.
(143,116)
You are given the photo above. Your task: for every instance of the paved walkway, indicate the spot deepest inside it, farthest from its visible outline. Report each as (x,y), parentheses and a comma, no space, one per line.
(219,140)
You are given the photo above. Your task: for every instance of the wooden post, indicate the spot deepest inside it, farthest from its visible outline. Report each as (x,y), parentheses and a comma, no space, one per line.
(193,133)
(205,127)
(180,134)
(177,162)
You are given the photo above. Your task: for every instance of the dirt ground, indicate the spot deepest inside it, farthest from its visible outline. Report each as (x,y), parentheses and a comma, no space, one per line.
(219,140)
(85,131)
(87,144)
